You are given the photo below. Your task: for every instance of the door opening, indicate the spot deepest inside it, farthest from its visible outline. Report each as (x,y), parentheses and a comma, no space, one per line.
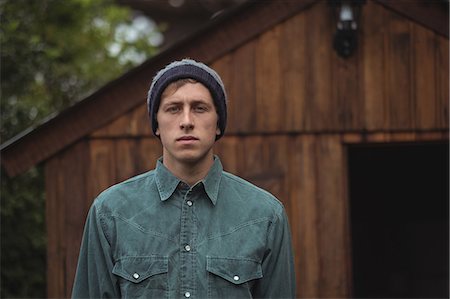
(399,206)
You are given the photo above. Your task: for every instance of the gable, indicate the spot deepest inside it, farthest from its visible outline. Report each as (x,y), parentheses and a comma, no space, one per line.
(289,80)
(225,44)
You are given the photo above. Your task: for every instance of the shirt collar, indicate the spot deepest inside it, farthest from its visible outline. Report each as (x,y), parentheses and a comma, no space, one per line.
(212,180)
(167,182)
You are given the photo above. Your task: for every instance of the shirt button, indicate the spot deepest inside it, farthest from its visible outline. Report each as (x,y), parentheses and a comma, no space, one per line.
(135,276)
(236,278)
(187,294)
(189,203)
(187,248)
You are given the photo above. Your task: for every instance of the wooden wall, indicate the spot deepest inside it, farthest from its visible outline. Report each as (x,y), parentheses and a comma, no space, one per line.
(294,106)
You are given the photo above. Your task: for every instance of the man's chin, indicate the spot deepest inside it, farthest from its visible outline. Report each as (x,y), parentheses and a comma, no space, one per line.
(192,158)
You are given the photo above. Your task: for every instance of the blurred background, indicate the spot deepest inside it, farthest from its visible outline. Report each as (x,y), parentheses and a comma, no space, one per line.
(339,108)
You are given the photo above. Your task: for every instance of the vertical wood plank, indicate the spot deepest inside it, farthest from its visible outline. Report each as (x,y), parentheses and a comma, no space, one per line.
(55,210)
(227,150)
(148,151)
(269,101)
(275,150)
(250,158)
(347,95)
(292,59)
(74,173)
(333,220)
(303,190)
(399,72)
(373,52)
(319,113)
(102,169)
(243,100)
(142,125)
(66,213)
(346,101)
(424,78)
(126,158)
(442,82)
(262,162)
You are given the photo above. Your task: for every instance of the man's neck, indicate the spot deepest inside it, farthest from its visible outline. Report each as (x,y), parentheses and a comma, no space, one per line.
(190,173)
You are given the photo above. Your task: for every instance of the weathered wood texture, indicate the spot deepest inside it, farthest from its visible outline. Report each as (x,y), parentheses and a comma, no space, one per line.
(313,76)
(66,202)
(294,105)
(289,79)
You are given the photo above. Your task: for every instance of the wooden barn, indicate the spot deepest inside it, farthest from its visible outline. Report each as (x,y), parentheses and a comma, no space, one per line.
(355,147)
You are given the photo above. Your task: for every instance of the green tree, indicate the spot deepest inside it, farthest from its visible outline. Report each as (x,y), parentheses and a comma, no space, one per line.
(53,53)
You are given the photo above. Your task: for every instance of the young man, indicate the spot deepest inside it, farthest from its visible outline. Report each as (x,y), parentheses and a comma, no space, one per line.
(186,229)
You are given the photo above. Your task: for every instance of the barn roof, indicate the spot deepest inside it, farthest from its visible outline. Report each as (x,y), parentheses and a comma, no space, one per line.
(219,37)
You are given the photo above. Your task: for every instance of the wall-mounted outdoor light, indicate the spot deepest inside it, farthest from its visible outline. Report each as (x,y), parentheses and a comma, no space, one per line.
(347,16)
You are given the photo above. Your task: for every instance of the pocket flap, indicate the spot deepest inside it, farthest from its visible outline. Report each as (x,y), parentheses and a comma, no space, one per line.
(139,268)
(235,270)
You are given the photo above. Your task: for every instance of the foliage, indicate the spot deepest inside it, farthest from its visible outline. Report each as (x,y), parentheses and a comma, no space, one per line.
(53,53)
(23,263)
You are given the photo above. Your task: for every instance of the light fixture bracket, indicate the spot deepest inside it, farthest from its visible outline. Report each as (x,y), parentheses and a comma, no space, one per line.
(346,16)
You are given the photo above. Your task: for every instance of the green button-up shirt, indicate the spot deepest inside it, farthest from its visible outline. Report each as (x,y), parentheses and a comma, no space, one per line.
(153,236)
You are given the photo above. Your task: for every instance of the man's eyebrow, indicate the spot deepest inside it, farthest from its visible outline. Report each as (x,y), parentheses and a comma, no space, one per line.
(171,102)
(175,101)
(201,101)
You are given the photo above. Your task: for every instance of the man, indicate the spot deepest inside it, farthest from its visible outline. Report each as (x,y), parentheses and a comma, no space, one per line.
(187,228)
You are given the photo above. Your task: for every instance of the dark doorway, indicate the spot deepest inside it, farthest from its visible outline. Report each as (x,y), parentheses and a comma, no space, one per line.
(399,205)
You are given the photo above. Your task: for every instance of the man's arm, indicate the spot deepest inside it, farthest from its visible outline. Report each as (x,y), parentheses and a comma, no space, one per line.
(278,266)
(94,278)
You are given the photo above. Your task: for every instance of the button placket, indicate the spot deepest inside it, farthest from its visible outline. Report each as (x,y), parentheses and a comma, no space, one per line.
(187,238)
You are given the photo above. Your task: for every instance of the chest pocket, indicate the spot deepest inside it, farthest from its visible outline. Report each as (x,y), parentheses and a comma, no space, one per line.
(142,276)
(231,277)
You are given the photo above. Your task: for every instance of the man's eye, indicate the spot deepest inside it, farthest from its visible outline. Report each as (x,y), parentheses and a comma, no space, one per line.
(200,108)
(173,109)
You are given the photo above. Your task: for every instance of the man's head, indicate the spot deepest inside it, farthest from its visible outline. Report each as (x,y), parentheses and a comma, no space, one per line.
(188,69)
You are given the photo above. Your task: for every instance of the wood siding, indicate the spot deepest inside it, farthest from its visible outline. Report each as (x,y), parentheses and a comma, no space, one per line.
(290,80)
(294,106)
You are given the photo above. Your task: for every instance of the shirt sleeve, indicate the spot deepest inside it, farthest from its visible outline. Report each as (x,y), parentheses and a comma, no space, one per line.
(94,277)
(278,279)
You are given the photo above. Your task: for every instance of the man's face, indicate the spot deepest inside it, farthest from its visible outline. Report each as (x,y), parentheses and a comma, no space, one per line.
(187,124)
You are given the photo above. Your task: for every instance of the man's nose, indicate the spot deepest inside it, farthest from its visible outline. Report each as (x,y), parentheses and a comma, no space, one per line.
(187,121)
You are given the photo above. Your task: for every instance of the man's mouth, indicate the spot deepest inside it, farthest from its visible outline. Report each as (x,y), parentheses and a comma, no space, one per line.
(187,138)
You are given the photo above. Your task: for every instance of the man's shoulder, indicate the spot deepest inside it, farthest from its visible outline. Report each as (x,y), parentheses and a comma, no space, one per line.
(126,190)
(250,193)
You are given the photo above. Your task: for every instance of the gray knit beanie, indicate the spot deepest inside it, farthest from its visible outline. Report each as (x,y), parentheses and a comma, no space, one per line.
(183,69)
